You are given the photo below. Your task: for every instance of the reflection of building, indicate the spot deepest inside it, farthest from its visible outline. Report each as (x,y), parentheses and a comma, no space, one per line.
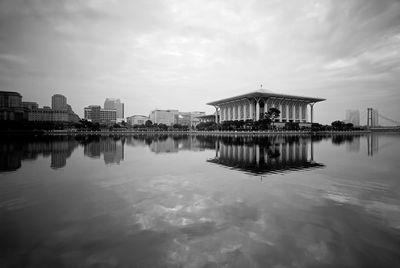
(112,149)
(353,116)
(254,104)
(137,120)
(264,155)
(115,104)
(168,145)
(166,117)
(10,156)
(15,149)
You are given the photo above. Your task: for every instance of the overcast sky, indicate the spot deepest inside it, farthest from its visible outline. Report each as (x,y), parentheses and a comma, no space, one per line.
(181,54)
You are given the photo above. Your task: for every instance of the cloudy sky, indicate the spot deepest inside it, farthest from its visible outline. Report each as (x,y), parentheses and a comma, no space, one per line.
(181,54)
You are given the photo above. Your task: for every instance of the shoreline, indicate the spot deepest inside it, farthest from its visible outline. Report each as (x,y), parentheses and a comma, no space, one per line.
(210,133)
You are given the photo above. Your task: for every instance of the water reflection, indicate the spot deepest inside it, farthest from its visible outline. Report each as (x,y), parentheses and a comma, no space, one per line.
(112,148)
(265,155)
(162,208)
(256,155)
(16,149)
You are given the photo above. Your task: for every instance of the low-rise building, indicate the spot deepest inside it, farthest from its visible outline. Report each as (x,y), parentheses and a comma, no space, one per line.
(96,114)
(166,117)
(137,120)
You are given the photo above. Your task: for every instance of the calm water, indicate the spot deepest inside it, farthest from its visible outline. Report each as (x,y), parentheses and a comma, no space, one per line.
(200,201)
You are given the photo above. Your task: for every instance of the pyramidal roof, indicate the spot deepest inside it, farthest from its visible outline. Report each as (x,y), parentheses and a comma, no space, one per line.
(266,93)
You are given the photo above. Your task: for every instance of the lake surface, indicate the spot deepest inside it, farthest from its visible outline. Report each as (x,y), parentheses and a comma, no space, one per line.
(200,201)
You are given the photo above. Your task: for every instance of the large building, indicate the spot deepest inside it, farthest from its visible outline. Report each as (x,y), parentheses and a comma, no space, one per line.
(11,106)
(137,119)
(353,116)
(115,104)
(254,104)
(96,114)
(60,111)
(166,117)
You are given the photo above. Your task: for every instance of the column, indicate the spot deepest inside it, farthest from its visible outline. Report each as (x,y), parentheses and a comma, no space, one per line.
(257,110)
(216,114)
(251,109)
(239,116)
(312,112)
(294,111)
(280,109)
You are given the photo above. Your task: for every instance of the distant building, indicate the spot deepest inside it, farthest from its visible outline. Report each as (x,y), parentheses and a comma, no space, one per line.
(11,106)
(96,114)
(115,104)
(137,119)
(190,119)
(183,118)
(30,105)
(194,118)
(59,102)
(166,117)
(353,117)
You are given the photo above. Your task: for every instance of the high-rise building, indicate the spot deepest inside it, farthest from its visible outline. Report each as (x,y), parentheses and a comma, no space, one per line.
(115,104)
(166,117)
(59,102)
(353,116)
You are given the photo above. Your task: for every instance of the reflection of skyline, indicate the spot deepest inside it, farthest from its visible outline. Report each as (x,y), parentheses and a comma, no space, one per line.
(15,150)
(254,154)
(265,155)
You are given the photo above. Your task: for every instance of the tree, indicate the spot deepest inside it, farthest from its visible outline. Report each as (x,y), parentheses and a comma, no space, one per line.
(272,114)
(148,123)
(338,125)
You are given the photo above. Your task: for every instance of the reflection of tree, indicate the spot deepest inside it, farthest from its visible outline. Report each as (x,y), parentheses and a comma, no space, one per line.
(340,139)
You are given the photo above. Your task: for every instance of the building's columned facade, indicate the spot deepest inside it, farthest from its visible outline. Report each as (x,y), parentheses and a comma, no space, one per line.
(254,104)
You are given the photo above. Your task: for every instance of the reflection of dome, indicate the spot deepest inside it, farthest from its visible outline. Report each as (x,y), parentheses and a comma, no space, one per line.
(263,90)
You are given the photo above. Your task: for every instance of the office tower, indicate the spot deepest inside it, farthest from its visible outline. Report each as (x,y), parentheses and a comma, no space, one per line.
(59,102)
(115,104)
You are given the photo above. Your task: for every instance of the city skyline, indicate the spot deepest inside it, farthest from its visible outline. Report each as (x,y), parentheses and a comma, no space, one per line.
(182,55)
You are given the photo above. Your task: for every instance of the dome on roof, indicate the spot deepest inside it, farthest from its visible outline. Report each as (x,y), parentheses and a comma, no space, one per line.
(263,90)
